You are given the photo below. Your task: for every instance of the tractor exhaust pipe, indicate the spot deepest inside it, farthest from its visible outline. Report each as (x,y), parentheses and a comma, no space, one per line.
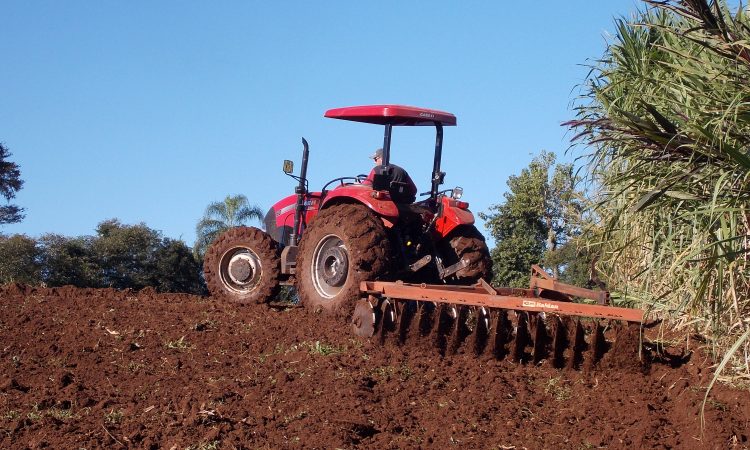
(301,191)
(437,175)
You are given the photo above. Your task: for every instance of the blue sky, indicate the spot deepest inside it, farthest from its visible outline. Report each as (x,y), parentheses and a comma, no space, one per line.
(149,111)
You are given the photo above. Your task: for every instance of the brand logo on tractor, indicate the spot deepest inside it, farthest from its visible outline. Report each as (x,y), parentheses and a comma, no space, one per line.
(535,304)
(287,208)
(427,115)
(284,209)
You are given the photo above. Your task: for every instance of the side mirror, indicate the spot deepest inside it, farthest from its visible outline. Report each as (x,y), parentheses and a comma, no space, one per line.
(288,166)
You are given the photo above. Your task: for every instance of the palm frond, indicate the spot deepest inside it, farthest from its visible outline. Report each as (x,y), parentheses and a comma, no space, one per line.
(665,117)
(220,216)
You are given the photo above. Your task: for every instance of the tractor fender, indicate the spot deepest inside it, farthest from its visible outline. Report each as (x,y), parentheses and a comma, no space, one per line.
(452,216)
(361,193)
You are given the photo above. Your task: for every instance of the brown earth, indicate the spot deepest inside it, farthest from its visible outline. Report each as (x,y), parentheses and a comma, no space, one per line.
(84,368)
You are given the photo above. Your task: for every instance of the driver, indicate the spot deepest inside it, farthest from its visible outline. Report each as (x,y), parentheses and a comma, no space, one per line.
(402,188)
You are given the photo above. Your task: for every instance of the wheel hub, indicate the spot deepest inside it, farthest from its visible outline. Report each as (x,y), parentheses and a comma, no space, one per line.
(240,270)
(330,266)
(335,266)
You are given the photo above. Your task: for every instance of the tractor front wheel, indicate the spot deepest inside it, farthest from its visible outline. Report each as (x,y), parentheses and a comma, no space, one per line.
(242,265)
(343,246)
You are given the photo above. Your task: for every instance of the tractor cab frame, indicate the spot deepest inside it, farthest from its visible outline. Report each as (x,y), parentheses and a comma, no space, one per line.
(399,115)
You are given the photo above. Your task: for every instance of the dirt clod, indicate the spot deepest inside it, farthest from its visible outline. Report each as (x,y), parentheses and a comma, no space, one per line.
(112,369)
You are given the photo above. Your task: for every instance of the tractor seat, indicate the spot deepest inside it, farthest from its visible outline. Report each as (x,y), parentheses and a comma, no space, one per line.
(399,194)
(413,212)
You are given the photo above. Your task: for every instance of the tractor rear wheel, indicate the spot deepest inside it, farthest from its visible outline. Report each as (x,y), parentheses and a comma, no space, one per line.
(242,265)
(466,242)
(343,246)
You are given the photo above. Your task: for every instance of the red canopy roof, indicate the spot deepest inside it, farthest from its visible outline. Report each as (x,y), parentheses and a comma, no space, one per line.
(392,114)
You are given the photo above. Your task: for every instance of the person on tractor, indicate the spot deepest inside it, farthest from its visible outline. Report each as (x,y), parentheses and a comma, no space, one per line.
(402,187)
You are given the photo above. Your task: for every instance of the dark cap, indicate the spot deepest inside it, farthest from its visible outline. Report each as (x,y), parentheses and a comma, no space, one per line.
(378,154)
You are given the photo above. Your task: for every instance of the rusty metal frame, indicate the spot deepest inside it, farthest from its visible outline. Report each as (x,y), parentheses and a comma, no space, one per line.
(541,280)
(482,294)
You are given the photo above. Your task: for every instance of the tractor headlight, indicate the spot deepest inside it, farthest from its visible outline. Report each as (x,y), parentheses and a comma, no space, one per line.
(457,193)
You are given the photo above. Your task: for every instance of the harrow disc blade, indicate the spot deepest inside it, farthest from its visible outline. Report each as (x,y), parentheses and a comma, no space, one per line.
(388,322)
(541,338)
(501,333)
(406,315)
(598,345)
(459,328)
(445,318)
(423,320)
(479,321)
(364,319)
(522,338)
(561,341)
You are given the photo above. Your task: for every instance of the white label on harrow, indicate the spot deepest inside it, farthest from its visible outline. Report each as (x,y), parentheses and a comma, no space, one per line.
(536,304)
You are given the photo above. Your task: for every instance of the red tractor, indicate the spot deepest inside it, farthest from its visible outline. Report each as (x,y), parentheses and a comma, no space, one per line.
(327,242)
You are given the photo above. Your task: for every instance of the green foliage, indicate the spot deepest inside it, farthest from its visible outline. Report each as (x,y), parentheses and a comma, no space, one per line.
(126,254)
(288,294)
(120,256)
(318,348)
(19,260)
(537,223)
(665,116)
(113,416)
(177,270)
(68,261)
(178,344)
(221,216)
(135,256)
(10,183)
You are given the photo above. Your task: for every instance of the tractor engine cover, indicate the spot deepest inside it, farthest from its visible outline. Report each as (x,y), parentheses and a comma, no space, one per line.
(279,220)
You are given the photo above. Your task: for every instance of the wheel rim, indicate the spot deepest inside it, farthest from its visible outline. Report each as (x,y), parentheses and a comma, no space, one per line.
(240,270)
(330,266)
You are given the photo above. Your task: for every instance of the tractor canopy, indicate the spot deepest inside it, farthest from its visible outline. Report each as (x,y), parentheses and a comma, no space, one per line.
(400,115)
(395,115)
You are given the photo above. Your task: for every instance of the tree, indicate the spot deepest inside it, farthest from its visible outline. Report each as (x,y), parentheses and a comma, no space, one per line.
(10,183)
(177,270)
(135,256)
(221,216)
(19,260)
(541,216)
(126,254)
(69,261)
(119,256)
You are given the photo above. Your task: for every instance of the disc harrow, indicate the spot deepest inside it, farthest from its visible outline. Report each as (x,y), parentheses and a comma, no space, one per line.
(534,325)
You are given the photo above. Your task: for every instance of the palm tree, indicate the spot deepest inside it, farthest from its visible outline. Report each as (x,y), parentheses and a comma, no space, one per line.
(221,216)
(665,118)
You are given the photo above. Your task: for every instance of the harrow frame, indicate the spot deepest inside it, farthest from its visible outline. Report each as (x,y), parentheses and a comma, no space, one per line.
(527,325)
(546,294)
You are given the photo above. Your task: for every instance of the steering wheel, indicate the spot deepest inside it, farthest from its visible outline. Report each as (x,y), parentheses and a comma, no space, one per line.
(360,178)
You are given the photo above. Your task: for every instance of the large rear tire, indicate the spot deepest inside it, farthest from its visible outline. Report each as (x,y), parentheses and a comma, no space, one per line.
(242,266)
(343,246)
(466,242)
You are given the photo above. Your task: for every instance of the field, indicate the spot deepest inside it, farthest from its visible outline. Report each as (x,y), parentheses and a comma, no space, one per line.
(85,368)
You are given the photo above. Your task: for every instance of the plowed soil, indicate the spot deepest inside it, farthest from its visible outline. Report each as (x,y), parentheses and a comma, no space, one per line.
(119,369)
